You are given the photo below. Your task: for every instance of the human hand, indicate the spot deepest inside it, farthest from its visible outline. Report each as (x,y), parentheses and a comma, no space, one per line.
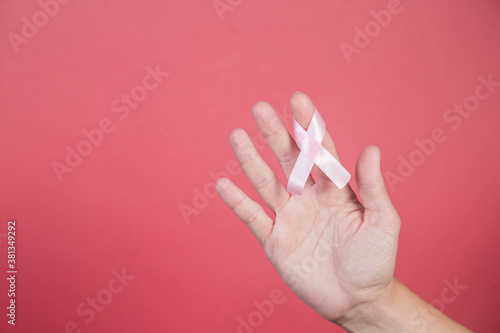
(337,254)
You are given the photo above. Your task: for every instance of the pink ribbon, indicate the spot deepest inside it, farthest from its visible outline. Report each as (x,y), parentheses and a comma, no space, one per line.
(312,152)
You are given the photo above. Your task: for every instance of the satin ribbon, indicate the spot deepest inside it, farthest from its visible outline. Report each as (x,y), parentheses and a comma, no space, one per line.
(312,152)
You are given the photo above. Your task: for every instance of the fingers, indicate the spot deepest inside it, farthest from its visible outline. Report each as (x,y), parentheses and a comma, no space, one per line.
(247,210)
(371,186)
(258,172)
(303,110)
(284,147)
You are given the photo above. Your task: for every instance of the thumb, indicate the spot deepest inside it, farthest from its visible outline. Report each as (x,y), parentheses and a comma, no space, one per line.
(371,186)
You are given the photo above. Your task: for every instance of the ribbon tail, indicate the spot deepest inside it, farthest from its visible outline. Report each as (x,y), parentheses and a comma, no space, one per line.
(333,169)
(300,172)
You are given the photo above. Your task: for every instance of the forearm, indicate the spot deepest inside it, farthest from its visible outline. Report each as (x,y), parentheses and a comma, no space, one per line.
(400,311)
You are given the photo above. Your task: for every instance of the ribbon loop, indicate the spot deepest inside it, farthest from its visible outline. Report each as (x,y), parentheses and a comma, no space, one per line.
(312,152)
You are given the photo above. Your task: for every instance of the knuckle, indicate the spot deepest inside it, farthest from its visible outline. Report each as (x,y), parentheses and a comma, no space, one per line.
(239,203)
(287,157)
(273,127)
(265,182)
(246,155)
(252,216)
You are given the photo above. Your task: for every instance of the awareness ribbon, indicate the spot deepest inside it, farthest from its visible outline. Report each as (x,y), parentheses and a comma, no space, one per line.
(312,152)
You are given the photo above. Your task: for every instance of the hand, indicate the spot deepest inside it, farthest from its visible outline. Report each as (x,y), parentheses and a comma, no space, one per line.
(334,252)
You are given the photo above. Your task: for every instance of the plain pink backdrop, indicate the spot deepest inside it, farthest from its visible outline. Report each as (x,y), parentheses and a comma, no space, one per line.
(121,207)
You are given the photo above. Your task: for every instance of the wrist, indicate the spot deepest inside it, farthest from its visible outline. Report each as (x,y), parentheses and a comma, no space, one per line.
(376,315)
(395,310)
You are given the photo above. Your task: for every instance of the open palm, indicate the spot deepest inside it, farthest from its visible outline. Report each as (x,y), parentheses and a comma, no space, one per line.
(334,252)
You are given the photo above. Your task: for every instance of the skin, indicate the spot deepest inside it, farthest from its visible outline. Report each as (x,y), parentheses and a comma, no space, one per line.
(336,253)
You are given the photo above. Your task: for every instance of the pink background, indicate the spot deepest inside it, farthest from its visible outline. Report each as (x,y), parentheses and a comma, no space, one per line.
(121,206)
